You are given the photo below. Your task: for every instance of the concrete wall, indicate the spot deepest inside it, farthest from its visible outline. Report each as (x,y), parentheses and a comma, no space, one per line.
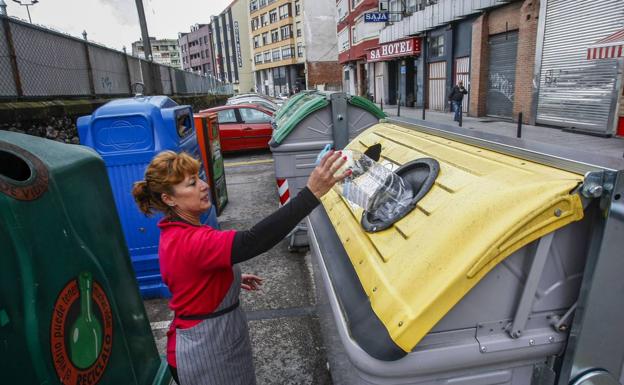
(56,120)
(321,44)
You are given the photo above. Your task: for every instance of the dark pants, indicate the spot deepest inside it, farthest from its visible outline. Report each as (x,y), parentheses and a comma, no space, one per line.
(457,108)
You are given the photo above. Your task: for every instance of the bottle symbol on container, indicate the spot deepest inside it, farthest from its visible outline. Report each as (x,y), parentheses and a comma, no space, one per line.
(86,332)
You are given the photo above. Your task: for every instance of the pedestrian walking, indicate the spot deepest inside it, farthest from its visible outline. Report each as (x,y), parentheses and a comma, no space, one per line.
(208,339)
(456,97)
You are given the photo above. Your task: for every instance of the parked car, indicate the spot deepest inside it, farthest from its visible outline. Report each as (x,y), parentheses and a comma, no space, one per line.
(243,126)
(266,103)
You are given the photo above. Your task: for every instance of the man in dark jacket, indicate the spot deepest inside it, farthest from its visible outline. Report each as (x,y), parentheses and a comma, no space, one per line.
(456,97)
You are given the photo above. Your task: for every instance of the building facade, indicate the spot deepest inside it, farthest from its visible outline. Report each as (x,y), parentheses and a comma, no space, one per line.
(291,49)
(488,45)
(355,37)
(232,54)
(164,51)
(196,49)
(277,67)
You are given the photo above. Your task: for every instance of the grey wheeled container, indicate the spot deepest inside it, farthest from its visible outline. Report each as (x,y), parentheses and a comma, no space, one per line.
(303,127)
(508,272)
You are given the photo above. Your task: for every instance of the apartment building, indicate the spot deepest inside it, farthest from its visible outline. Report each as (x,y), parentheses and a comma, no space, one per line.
(196,49)
(232,54)
(277,69)
(164,51)
(287,56)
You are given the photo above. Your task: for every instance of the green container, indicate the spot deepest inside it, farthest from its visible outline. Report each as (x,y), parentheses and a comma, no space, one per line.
(70,309)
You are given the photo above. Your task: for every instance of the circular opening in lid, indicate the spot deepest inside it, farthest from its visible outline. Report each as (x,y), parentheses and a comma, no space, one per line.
(13,167)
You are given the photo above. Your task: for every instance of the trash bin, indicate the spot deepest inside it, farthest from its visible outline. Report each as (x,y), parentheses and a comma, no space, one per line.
(479,283)
(70,309)
(128,133)
(302,127)
(207,128)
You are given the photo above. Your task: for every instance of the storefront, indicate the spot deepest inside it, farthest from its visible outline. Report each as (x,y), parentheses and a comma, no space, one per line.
(394,69)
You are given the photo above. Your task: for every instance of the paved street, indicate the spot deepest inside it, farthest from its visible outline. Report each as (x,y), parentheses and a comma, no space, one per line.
(284,328)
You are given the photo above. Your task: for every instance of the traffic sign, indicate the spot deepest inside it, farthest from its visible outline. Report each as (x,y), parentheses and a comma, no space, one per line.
(376,17)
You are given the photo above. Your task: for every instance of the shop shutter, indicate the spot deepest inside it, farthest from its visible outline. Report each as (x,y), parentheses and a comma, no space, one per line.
(573,91)
(503,50)
(437,85)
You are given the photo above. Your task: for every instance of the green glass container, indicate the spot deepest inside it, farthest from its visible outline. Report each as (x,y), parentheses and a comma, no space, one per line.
(70,309)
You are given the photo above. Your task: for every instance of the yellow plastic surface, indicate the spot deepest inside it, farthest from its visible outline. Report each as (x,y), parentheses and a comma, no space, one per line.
(483,207)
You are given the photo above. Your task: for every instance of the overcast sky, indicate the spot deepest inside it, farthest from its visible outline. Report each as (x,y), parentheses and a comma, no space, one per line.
(115,23)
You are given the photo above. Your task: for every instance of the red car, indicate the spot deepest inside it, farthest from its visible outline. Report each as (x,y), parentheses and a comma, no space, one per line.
(243,127)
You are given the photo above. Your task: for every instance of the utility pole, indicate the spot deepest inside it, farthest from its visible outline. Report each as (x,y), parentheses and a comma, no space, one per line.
(147,47)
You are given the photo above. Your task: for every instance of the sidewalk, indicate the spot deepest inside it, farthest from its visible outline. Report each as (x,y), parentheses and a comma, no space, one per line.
(612,147)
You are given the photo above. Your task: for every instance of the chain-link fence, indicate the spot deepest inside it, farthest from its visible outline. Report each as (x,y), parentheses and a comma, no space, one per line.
(39,63)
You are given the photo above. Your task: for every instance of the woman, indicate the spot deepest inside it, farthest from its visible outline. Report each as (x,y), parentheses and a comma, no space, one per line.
(208,340)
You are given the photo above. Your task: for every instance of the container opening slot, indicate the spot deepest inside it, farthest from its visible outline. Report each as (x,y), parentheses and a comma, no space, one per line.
(420,175)
(13,167)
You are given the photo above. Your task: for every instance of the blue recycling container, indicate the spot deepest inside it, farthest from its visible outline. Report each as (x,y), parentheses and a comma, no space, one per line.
(128,133)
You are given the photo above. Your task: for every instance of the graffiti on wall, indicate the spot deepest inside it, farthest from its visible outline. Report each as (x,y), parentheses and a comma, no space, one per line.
(500,83)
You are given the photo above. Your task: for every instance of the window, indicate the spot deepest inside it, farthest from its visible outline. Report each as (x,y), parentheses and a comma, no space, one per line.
(342,9)
(297,8)
(226,116)
(299,50)
(343,40)
(286,31)
(276,55)
(264,19)
(258,58)
(250,115)
(267,56)
(273,16)
(284,11)
(355,3)
(299,29)
(253,5)
(265,38)
(287,52)
(255,23)
(262,3)
(256,41)
(436,46)
(274,35)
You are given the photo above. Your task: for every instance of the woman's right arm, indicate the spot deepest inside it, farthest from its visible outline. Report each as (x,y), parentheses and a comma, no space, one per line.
(272,229)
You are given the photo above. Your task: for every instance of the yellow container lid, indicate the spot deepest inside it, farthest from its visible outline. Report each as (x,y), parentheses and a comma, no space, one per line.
(484,206)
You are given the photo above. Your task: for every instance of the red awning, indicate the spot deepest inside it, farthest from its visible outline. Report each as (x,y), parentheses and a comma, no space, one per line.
(610,47)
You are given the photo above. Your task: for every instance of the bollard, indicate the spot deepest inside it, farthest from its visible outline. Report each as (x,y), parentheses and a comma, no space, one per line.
(381,104)
(399,106)
(519,133)
(423,115)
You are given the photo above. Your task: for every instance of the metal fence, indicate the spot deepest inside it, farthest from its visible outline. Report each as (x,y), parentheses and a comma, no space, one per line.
(38,63)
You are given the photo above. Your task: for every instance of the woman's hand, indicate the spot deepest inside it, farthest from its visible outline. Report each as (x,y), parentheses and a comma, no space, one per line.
(322,178)
(250,282)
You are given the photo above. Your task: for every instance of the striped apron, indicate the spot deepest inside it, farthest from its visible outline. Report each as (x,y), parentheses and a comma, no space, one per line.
(217,351)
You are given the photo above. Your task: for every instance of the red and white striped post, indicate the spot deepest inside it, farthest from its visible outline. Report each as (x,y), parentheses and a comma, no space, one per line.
(282,189)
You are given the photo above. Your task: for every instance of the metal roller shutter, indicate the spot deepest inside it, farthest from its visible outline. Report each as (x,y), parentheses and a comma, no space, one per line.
(437,86)
(503,50)
(573,91)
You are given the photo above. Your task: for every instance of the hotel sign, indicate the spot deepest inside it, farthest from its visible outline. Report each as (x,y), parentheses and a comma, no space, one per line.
(408,47)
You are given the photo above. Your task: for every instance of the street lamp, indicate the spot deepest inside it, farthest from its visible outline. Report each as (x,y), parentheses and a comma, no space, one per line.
(27,3)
